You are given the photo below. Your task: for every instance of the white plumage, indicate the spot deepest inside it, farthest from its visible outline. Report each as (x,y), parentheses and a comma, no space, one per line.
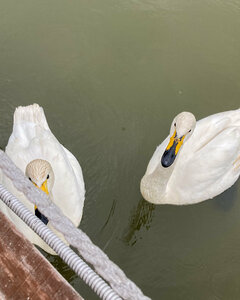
(32,139)
(207,164)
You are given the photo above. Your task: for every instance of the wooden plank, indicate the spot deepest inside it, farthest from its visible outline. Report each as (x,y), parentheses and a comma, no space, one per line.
(25,273)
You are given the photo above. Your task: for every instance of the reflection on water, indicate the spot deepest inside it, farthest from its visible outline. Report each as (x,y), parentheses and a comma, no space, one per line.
(140,217)
(111,213)
(58,263)
(62,268)
(226,201)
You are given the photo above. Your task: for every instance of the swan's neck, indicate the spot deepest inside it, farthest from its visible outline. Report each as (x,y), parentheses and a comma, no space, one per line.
(154,185)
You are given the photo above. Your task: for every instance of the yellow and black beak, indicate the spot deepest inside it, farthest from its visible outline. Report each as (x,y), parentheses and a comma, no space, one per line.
(37,212)
(172,149)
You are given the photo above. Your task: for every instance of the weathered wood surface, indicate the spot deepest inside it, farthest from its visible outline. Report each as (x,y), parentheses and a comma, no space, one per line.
(25,273)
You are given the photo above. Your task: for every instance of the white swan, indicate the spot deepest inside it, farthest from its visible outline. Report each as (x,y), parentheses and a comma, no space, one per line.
(198,161)
(50,166)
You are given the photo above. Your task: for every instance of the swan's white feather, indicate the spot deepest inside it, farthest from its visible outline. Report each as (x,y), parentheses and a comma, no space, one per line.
(32,139)
(207,164)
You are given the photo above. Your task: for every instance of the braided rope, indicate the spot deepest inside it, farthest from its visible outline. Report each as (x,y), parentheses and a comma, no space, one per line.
(74,236)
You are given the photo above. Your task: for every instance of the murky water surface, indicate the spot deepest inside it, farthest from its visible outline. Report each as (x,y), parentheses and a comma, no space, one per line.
(111,75)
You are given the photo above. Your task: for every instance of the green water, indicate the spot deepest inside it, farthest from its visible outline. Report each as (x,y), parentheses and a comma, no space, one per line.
(111,75)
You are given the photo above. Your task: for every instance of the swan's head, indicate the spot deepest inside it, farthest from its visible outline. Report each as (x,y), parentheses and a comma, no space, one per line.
(182,128)
(40,173)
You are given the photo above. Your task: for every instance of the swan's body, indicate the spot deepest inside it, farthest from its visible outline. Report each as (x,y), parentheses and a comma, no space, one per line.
(207,164)
(30,140)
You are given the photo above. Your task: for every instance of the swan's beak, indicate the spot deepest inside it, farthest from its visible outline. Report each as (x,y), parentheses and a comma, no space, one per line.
(172,149)
(44,187)
(37,212)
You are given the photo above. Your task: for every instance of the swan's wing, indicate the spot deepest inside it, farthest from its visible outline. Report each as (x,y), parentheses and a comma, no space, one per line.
(77,170)
(206,129)
(205,173)
(78,175)
(211,126)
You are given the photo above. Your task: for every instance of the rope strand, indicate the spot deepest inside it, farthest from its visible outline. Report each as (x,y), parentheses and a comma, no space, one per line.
(74,236)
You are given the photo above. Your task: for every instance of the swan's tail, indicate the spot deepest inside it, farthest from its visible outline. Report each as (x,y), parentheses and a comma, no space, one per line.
(30,114)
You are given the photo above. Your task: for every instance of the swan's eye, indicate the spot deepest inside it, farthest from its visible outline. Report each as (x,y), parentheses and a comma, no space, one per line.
(190,130)
(30,178)
(175,124)
(48,177)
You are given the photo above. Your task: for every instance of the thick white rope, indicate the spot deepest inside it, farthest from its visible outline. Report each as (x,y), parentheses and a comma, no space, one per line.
(124,287)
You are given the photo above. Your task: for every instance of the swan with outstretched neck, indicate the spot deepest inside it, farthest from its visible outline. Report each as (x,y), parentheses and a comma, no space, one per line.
(48,165)
(196,162)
